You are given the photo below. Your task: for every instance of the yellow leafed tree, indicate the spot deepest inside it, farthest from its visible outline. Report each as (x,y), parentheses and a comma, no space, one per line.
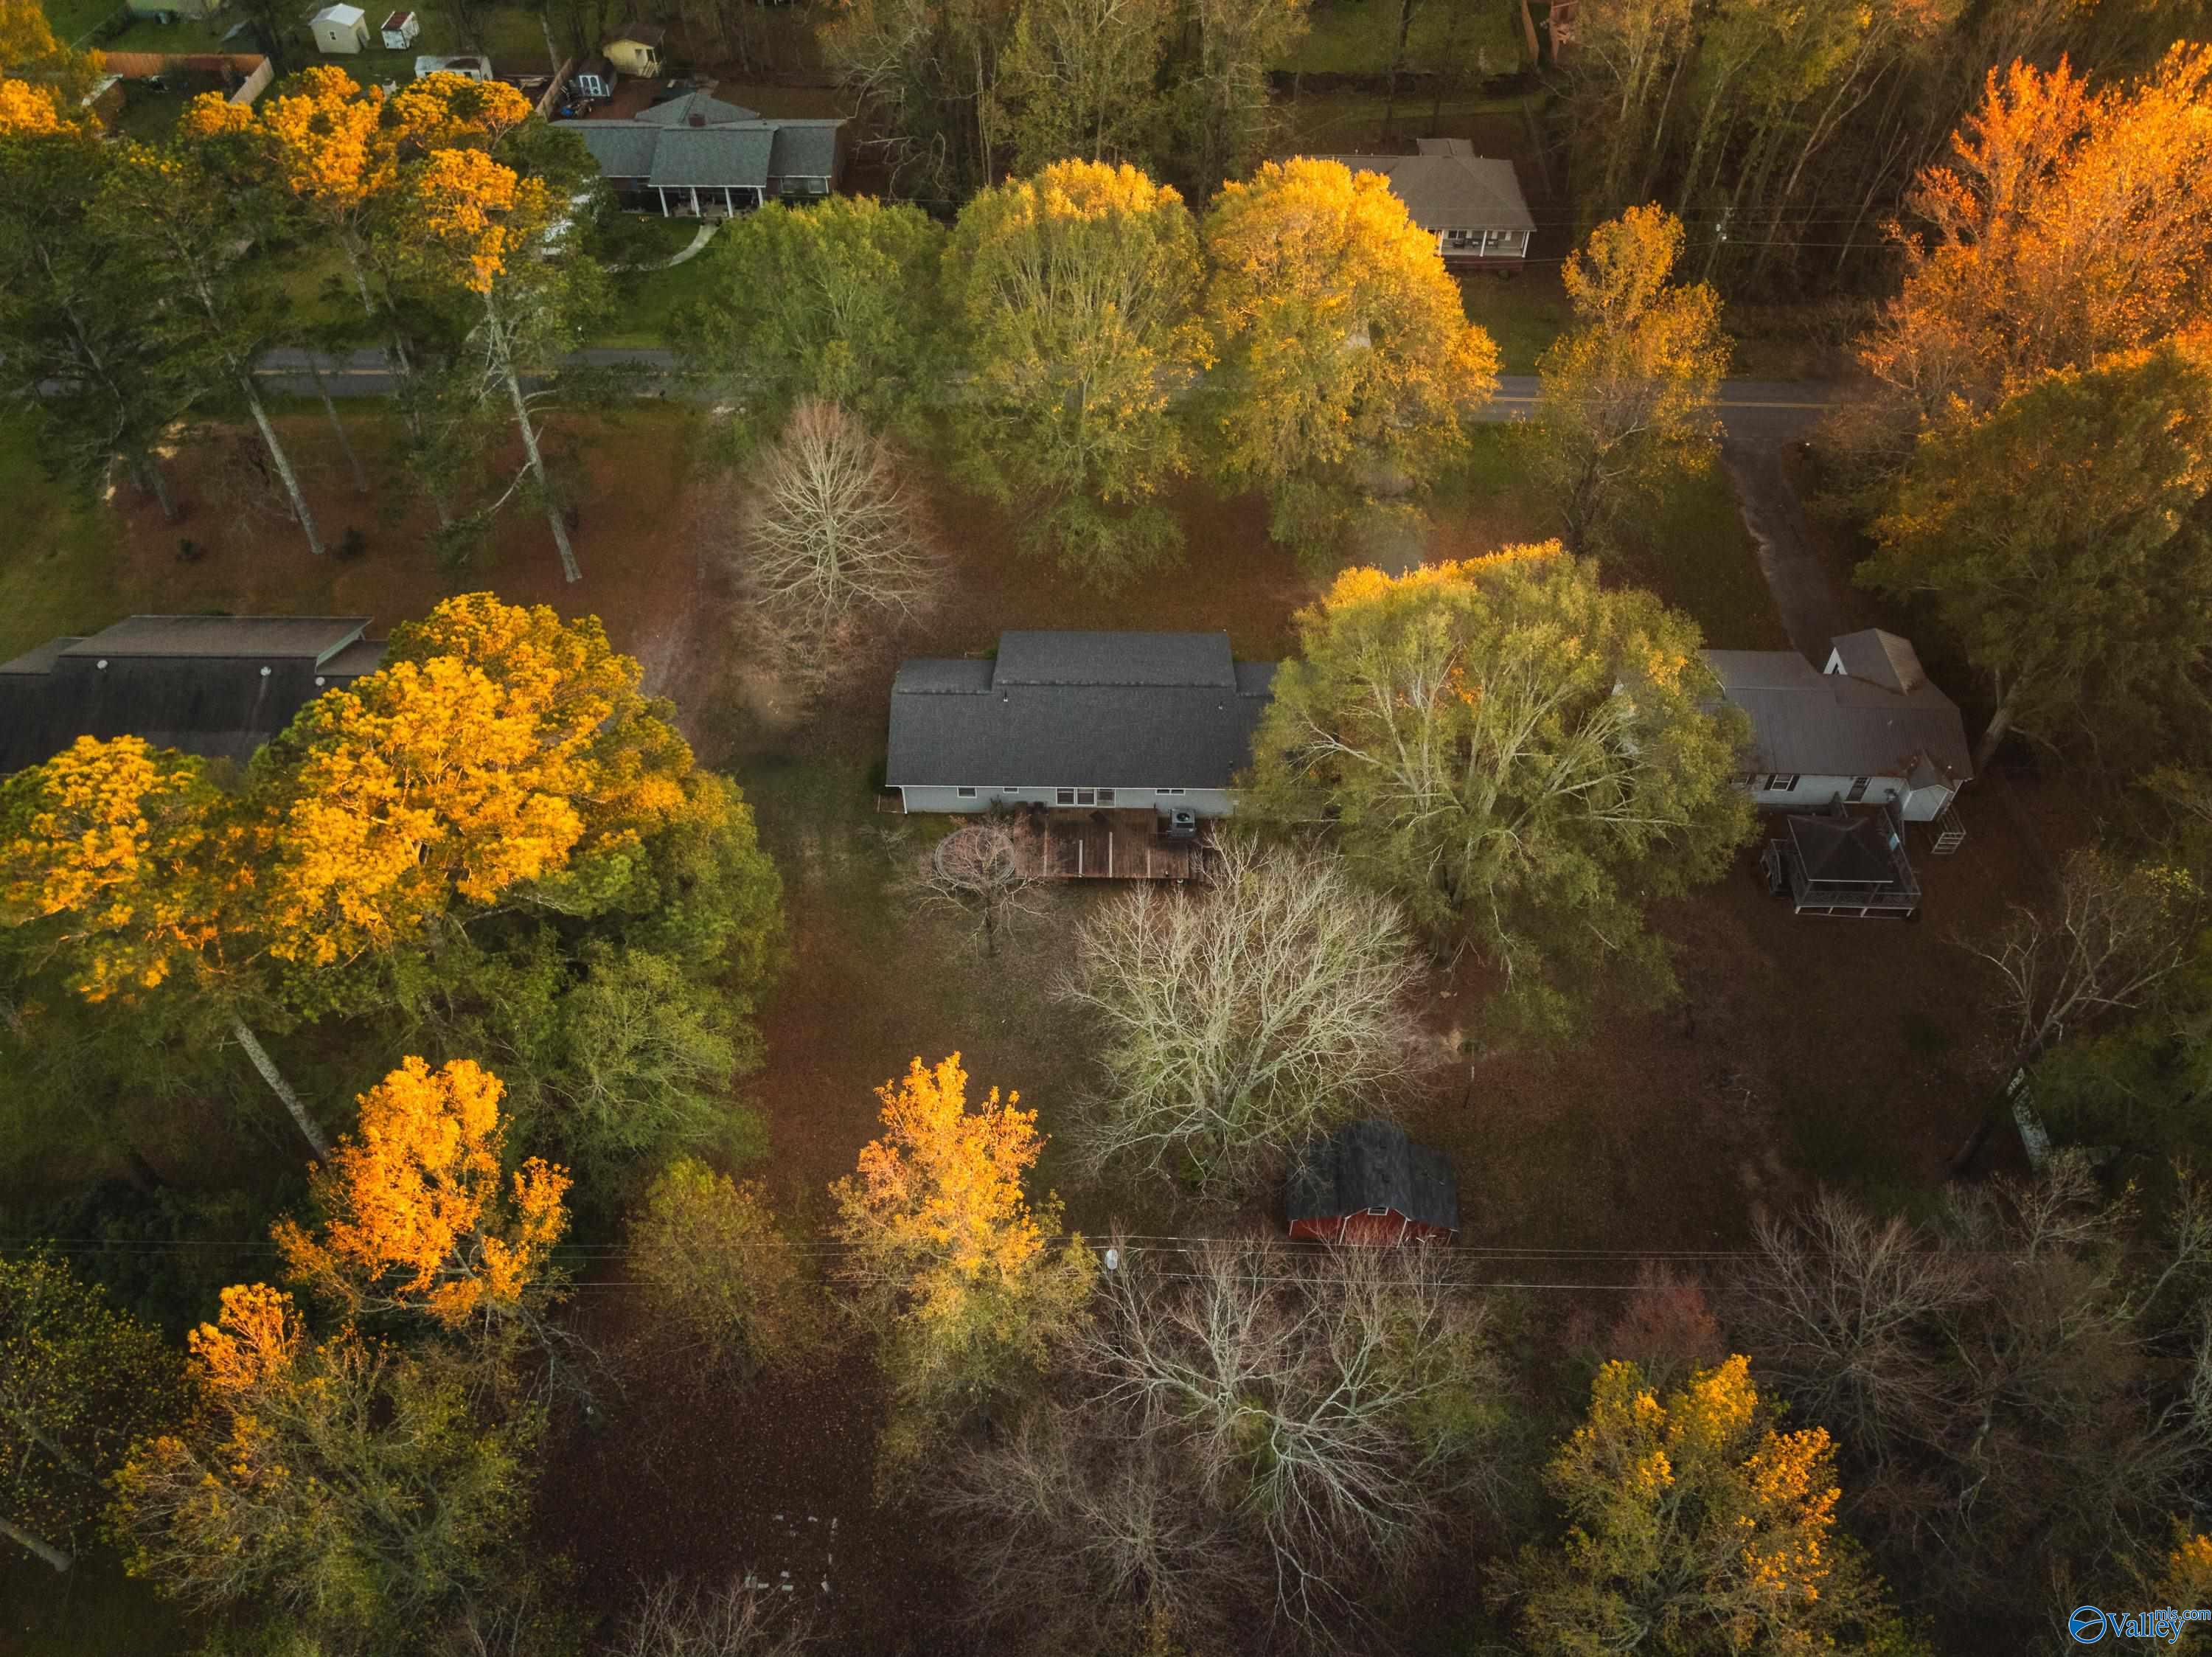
(1346,361)
(499,746)
(1693,1527)
(103,842)
(948,1259)
(416,1215)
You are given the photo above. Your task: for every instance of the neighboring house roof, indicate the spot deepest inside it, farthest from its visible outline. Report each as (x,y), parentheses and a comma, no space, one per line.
(344,16)
(1373,1165)
(1078,710)
(1842,723)
(712,157)
(1448,187)
(1843,850)
(805,150)
(596,66)
(695,109)
(643,35)
(216,686)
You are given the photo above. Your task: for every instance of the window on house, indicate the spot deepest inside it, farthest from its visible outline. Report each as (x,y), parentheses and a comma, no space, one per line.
(965,793)
(1105,796)
(1782,782)
(1167,791)
(1858,788)
(1087,796)
(1063,796)
(1459,241)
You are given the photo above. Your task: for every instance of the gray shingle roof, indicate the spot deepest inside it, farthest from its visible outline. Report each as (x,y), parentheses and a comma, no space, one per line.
(805,150)
(1879,658)
(261,637)
(623,149)
(710,109)
(216,686)
(1450,189)
(1373,1165)
(1073,658)
(714,157)
(1077,710)
(1812,723)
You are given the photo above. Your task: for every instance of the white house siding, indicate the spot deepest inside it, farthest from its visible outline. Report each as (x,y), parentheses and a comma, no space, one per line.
(1913,805)
(1206,802)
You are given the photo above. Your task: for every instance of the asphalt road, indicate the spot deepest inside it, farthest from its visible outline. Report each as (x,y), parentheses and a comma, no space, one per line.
(1753,411)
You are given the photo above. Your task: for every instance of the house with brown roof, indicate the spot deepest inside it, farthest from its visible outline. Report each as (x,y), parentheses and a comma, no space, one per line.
(1471,204)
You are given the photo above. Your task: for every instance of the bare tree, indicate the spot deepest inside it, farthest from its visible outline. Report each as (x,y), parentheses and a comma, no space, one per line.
(833,539)
(1241,1019)
(2117,930)
(979,872)
(1845,1312)
(1243,1434)
(733,1620)
(2012,1387)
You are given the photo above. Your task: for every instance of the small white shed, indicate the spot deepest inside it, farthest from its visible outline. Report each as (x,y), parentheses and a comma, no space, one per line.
(340,29)
(399,31)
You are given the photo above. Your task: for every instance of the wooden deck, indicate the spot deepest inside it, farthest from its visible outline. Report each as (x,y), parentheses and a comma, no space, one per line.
(1106,845)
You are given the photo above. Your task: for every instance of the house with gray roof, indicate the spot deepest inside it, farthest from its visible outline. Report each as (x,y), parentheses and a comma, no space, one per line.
(219,687)
(1369,1183)
(1119,721)
(1471,204)
(1869,726)
(695,156)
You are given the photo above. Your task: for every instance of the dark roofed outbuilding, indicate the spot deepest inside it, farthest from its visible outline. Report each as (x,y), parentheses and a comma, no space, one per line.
(1369,1184)
(219,687)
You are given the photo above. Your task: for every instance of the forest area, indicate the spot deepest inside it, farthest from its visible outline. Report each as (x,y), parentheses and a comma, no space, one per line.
(537,1161)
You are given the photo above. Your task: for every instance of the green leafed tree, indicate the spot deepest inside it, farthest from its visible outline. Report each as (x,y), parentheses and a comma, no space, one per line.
(1078,78)
(837,301)
(347,1486)
(1524,757)
(2065,539)
(79,1381)
(727,1293)
(1072,295)
(1627,393)
(1346,362)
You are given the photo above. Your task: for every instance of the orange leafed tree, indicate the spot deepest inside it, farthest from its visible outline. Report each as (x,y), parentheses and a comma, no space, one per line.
(2071,222)
(416,1214)
(946,1255)
(498,746)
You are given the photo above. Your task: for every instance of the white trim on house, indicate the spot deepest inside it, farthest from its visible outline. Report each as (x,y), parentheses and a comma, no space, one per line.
(979,797)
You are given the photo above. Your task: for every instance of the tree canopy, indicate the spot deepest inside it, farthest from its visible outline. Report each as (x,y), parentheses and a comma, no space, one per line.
(2065,539)
(1346,361)
(1072,293)
(1628,390)
(1523,756)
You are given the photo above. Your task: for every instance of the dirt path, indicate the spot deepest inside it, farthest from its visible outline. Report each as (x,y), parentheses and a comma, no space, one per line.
(1813,610)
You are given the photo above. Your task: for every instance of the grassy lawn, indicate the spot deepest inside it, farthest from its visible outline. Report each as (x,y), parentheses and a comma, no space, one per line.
(72,20)
(1522,310)
(647,300)
(58,562)
(1335,122)
(1358,37)
(509,32)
